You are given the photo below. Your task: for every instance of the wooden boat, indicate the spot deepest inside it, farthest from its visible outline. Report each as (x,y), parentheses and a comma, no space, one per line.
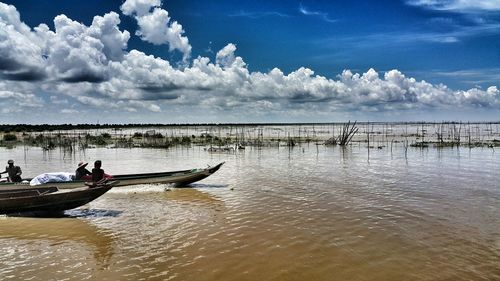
(49,199)
(183,177)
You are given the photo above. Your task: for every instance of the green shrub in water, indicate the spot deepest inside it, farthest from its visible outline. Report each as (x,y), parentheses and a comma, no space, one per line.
(9,137)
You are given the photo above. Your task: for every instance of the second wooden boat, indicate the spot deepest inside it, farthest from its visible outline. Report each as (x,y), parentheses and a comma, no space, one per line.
(183,177)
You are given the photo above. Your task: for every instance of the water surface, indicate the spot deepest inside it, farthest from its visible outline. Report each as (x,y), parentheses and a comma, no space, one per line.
(307,213)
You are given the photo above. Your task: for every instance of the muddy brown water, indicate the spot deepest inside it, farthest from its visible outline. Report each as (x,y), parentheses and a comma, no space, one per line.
(307,213)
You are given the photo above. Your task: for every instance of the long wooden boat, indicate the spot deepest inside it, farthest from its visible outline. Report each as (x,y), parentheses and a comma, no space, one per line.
(49,199)
(183,177)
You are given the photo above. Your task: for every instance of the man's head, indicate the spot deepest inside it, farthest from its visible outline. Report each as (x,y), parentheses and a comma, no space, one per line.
(97,164)
(10,162)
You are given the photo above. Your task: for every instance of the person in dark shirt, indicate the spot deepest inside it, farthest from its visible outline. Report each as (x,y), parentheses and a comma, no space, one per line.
(97,172)
(13,171)
(81,172)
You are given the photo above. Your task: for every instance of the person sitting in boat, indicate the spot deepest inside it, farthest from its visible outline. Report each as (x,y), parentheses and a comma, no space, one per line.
(98,174)
(82,173)
(13,171)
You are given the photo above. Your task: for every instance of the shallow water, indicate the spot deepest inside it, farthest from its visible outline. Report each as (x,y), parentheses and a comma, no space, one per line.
(309,213)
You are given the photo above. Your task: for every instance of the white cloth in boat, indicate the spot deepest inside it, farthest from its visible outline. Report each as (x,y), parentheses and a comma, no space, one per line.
(52,177)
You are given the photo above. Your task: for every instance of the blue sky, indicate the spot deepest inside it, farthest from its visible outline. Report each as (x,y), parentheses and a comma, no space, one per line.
(452,44)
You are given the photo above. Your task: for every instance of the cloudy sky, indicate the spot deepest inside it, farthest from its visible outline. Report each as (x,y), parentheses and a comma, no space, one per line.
(185,61)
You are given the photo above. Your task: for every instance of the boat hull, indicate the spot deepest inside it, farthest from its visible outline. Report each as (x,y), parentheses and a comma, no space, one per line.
(49,202)
(178,177)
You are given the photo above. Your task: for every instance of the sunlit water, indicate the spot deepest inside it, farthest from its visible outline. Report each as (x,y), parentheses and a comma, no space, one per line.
(310,213)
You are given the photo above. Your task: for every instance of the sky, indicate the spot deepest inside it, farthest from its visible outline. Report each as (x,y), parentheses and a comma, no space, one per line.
(192,61)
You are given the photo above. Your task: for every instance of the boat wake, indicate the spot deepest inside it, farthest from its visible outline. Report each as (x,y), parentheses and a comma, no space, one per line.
(91,213)
(201,185)
(141,188)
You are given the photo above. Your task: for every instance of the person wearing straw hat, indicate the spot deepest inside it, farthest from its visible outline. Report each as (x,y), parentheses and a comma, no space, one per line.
(13,171)
(81,172)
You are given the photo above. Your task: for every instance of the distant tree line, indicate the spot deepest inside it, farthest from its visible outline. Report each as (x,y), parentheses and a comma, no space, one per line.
(7,128)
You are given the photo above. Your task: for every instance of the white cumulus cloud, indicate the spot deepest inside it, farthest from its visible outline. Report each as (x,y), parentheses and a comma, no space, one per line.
(156,26)
(139,7)
(458,5)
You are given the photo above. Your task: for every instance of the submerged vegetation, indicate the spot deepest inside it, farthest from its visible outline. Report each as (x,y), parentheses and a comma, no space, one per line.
(347,132)
(229,137)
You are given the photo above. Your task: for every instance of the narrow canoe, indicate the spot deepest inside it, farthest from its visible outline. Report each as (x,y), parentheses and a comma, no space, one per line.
(183,177)
(49,199)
